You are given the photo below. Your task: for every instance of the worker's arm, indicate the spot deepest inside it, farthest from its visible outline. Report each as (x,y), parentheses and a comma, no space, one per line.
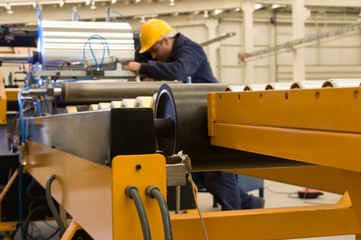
(186,63)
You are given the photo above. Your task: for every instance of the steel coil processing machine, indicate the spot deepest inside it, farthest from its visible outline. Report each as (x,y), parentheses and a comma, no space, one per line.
(109,169)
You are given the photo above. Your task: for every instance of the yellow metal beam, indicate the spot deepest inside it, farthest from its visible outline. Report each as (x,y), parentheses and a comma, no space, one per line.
(333,149)
(82,187)
(326,109)
(71,230)
(276,223)
(3,102)
(317,177)
(12,94)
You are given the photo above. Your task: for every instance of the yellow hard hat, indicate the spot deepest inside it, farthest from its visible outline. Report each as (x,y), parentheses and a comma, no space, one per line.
(152,31)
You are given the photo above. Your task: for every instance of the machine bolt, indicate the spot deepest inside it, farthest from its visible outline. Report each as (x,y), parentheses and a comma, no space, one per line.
(138,166)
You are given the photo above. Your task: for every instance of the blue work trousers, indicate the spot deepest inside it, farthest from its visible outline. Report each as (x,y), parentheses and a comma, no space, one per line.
(223,186)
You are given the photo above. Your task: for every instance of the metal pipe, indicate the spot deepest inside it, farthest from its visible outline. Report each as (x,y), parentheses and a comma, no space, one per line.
(14,58)
(307,84)
(106,91)
(343,82)
(278,86)
(186,105)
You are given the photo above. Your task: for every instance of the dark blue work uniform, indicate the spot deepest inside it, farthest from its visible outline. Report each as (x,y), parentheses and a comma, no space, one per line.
(188,59)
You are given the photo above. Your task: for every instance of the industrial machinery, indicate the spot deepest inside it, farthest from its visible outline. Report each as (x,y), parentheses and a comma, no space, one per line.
(108,161)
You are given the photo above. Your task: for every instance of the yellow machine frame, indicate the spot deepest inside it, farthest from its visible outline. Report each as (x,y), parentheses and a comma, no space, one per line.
(2,102)
(316,126)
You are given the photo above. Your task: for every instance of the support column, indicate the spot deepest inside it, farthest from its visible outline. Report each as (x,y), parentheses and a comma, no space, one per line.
(248,36)
(299,16)
(212,25)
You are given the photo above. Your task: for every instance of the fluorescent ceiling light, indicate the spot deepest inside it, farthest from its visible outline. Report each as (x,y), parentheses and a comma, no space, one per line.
(258,6)
(237,9)
(205,14)
(113,1)
(274,6)
(171,3)
(217,11)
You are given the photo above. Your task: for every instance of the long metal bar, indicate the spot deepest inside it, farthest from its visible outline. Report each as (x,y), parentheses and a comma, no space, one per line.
(298,42)
(276,223)
(14,58)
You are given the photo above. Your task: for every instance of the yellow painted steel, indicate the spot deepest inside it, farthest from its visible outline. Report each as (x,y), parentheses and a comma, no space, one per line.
(316,177)
(276,223)
(71,230)
(93,194)
(126,224)
(3,102)
(311,146)
(82,187)
(327,109)
(317,126)
(8,226)
(12,94)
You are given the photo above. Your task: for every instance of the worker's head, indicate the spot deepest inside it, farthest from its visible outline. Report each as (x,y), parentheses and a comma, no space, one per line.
(154,38)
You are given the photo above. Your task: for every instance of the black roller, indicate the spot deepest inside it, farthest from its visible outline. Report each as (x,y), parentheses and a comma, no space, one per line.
(186,105)
(106,91)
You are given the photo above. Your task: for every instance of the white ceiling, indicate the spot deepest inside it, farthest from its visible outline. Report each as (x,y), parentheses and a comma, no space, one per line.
(24,12)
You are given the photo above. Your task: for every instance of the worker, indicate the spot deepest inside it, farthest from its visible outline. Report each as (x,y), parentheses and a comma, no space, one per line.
(162,56)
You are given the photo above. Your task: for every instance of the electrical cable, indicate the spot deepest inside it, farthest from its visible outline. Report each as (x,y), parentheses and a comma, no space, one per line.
(51,204)
(39,208)
(52,235)
(197,206)
(132,193)
(153,192)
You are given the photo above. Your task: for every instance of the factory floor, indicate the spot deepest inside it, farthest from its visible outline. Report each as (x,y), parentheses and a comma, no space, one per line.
(276,195)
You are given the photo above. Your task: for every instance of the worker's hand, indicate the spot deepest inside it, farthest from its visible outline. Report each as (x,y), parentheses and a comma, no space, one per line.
(133,66)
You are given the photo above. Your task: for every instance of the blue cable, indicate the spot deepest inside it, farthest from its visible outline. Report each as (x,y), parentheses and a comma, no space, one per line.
(119,15)
(104,43)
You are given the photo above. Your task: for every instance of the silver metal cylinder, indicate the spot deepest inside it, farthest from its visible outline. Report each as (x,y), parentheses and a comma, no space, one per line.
(278,86)
(14,58)
(61,41)
(343,82)
(255,87)
(307,84)
(106,91)
(234,88)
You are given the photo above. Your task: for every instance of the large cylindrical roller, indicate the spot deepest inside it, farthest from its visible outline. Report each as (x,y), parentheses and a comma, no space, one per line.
(186,106)
(106,91)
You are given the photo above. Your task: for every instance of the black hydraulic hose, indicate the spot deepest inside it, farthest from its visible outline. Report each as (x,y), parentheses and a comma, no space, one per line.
(132,193)
(154,192)
(40,208)
(51,204)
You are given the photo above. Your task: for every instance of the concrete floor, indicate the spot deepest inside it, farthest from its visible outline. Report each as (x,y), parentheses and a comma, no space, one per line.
(276,195)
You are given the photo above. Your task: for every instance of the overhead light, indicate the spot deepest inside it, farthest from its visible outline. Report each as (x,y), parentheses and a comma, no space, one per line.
(61,4)
(217,11)
(113,1)
(8,9)
(237,9)
(258,6)
(171,3)
(87,2)
(274,6)
(205,14)
(142,19)
(93,6)
(137,1)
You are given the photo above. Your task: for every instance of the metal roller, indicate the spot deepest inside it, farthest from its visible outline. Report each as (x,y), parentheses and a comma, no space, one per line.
(278,86)
(106,91)
(307,84)
(186,106)
(255,87)
(343,82)
(235,88)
